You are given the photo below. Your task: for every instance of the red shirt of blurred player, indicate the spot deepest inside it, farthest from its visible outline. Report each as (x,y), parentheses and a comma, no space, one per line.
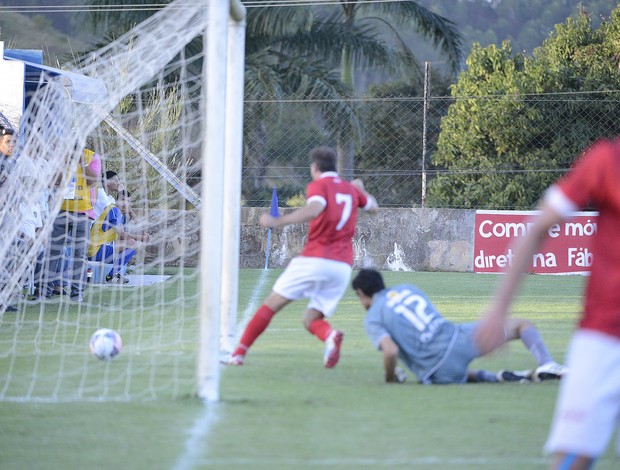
(330,234)
(595,180)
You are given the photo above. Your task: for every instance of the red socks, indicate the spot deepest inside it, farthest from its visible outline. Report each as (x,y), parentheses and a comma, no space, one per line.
(253,330)
(261,319)
(321,329)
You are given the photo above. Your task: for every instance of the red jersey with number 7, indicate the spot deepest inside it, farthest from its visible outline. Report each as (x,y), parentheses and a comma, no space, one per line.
(331,233)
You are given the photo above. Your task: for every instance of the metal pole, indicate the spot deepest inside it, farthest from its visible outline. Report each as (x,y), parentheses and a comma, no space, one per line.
(188,193)
(232,180)
(211,213)
(427,86)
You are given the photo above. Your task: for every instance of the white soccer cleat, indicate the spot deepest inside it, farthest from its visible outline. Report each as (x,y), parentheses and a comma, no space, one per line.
(332,349)
(232,360)
(550,371)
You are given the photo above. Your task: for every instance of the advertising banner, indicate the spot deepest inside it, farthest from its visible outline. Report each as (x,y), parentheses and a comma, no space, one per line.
(565,251)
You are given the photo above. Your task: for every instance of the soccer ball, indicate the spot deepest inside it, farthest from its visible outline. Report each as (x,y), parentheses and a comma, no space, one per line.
(105,344)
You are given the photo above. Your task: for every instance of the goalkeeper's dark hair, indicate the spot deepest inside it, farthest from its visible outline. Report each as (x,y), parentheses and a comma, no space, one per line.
(324,158)
(369,281)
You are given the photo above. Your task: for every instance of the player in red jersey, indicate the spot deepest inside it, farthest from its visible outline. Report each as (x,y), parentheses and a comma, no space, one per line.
(322,270)
(588,403)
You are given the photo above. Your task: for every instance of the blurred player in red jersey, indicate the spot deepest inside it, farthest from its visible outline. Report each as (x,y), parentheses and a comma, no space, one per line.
(322,270)
(588,403)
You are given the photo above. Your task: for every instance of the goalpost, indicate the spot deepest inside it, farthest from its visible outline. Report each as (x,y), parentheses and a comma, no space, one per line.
(170,127)
(222,156)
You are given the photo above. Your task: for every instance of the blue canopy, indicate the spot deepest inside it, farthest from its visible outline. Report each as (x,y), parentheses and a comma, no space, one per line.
(81,89)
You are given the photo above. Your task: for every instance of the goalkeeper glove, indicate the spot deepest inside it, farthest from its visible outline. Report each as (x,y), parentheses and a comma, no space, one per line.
(399,376)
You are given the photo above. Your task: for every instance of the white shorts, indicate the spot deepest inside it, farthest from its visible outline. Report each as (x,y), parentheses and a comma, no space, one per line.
(588,404)
(323,281)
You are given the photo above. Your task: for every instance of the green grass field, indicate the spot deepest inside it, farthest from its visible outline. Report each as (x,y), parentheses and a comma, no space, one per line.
(283,410)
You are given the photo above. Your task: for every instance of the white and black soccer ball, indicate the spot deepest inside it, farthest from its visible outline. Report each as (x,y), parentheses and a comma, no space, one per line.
(105,344)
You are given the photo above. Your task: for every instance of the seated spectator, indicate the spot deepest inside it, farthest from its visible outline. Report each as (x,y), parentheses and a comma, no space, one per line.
(110,185)
(110,242)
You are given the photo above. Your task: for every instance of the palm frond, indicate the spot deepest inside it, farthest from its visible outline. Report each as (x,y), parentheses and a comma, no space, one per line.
(327,39)
(439,30)
(117,21)
(278,21)
(262,75)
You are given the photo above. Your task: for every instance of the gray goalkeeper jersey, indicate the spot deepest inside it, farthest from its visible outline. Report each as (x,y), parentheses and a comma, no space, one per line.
(423,336)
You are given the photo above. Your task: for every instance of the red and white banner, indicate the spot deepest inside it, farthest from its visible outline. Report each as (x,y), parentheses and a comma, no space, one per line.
(566,249)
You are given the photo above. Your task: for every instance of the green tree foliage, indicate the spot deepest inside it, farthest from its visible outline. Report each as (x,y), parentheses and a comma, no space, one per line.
(159,127)
(302,52)
(292,52)
(525,23)
(393,17)
(518,122)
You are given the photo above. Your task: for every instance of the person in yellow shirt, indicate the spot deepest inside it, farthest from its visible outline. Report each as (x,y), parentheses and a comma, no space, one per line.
(71,228)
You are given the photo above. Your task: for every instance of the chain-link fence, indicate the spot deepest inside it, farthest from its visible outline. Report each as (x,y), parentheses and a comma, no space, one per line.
(494,152)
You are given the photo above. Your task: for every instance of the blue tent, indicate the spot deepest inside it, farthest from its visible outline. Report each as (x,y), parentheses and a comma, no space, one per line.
(81,89)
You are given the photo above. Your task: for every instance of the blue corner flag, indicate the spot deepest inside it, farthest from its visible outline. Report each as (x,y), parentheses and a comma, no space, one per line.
(274,211)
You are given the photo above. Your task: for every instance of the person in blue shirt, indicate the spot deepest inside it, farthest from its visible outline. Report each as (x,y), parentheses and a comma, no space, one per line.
(110,241)
(403,324)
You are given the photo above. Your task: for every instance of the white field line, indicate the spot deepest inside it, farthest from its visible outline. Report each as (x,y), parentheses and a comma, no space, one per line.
(430,461)
(197,436)
(253,303)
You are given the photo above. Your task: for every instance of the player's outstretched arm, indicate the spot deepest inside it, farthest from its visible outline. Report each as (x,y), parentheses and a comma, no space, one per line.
(490,334)
(298,216)
(390,358)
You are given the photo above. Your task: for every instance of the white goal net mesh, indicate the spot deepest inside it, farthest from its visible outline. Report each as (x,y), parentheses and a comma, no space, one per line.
(148,130)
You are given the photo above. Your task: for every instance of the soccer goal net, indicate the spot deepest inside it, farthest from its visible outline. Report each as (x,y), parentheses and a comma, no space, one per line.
(158,131)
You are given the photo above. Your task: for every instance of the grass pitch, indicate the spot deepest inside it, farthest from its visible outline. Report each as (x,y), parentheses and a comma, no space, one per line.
(283,410)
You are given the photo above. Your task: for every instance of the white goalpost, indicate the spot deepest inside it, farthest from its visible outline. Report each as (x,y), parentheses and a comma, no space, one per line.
(161,260)
(221,156)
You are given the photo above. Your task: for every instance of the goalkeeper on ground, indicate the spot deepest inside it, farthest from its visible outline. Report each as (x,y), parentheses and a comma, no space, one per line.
(403,323)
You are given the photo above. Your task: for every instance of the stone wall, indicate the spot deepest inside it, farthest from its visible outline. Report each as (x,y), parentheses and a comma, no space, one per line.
(393,239)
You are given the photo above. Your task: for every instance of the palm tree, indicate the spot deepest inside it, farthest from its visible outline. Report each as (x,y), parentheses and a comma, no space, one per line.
(114,22)
(397,17)
(350,39)
(296,51)
(393,16)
